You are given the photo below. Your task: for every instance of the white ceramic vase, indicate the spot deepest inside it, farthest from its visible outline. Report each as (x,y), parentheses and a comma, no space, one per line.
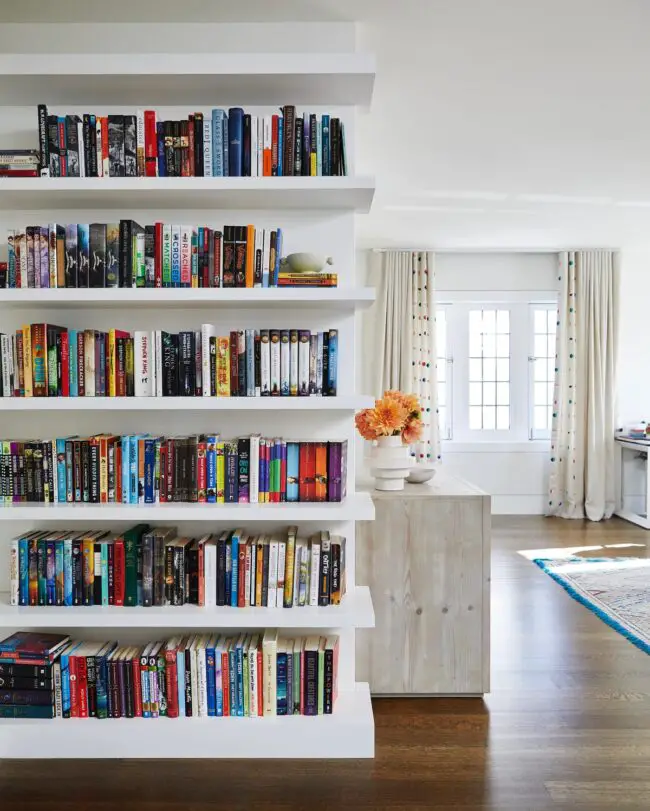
(390,463)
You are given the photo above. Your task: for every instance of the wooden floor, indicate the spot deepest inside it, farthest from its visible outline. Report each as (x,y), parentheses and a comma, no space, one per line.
(566,726)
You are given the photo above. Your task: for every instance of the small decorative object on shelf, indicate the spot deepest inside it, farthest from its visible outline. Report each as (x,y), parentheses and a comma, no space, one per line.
(306,270)
(191,675)
(392,424)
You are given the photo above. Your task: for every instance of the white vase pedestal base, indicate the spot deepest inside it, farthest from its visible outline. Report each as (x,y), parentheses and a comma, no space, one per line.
(391,463)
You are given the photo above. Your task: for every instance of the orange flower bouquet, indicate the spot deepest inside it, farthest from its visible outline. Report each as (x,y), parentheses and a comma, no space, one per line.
(396,414)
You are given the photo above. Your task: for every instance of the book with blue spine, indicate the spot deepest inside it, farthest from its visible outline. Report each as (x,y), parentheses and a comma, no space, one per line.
(149,469)
(69,492)
(218,117)
(61,480)
(126,467)
(74,379)
(160,148)
(23,571)
(133,470)
(211,468)
(275,270)
(293,470)
(226,150)
(176,256)
(235,141)
(58,573)
(101,679)
(325,146)
(50,574)
(67,571)
(333,351)
(281,678)
(232,677)
(228,573)
(180,668)
(234,566)
(280,145)
(250,363)
(239,653)
(210,676)
(104,571)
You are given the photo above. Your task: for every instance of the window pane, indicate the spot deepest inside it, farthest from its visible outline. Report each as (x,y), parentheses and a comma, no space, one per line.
(489,418)
(442,395)
(490,393)
(442,421)
(503,346)
(541,418)
(475,371)
(540,369)
(503,369)
(550,392)
(475,418)
(489,344)
(552,321)
(551,346)
(475,394)
(489,368)
(475,320)
(441,370)
(475,344)
(540,346)
(503,321)
(539,394)
(550,369)
(503,394)
(489,321)
(503,418)
(540,321)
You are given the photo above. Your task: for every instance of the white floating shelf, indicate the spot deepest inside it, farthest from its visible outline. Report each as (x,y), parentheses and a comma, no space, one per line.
(268,193)
(355,611)
(348,733)
(352,403)
(149,79)
(356,507)
(272,298)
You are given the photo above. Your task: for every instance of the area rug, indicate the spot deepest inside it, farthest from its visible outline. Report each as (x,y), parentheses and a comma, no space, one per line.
(616,589)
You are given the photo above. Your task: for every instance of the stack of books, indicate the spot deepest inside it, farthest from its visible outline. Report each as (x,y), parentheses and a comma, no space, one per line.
(44,360)
(145,469)
(145,566)
(19,163)
(217,143)
(29,674)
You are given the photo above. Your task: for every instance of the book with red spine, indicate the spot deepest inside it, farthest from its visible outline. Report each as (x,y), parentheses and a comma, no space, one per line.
(157,261)
(74,687)
(171,677)
(202,471)
(202,570)
(274,144)
(283,471)
(19,173)
(216,266)
(137,686)
(63,155)
(81,361)
(150,144)
(65,364)
(82,685)
(225,681)
(241,578)
(119,564)
(104,126)
(260,684)
(307,467)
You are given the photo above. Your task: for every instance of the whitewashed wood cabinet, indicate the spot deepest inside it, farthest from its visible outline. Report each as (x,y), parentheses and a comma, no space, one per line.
(426,558)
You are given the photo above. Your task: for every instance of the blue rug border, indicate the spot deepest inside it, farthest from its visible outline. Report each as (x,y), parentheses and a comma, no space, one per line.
(543,564)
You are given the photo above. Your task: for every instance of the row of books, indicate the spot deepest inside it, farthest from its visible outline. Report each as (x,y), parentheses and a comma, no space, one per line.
(44,360)
(125,254)
(146,566)
(194,675)
(145,469)
(221,143)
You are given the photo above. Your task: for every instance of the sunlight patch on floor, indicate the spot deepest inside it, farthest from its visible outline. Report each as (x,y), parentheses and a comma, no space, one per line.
(557,553)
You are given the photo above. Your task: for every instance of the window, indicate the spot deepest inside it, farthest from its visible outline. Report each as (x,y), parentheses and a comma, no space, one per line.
(542,370)
(443,373)
(497,357)
(489,370)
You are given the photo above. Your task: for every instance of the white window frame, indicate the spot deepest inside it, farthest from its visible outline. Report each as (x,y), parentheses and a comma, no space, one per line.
(521,304)
(535,434)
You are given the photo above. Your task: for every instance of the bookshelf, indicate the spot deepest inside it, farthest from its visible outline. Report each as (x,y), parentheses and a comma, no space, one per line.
(198,193)
(316,214)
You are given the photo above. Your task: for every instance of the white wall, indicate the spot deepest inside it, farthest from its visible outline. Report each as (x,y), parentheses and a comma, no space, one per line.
(515,474)
(634,337)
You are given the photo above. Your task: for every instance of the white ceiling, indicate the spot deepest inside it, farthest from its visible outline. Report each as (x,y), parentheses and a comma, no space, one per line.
(495,123)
